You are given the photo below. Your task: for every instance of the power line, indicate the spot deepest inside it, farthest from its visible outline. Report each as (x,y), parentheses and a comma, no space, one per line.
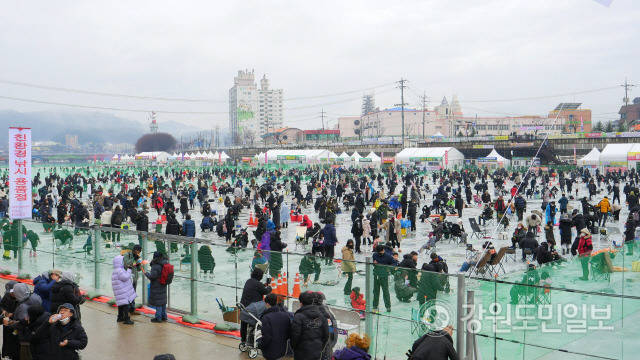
(97,93)
(543,97)
(163,111)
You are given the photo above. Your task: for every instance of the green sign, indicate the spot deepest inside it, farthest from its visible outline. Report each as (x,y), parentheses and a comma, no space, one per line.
(244,114)
(365,160)
(290,157)
(424,159)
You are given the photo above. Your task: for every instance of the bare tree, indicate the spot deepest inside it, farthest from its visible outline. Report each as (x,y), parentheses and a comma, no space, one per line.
(250,135)
(236,139)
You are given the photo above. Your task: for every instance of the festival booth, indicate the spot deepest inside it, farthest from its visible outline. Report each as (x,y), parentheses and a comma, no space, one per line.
(355,159)
(633,157)
(615,157)
(152,157)
(224,157)
(371,160)
(493,161)
(294,156)
(591,160)
(435,158)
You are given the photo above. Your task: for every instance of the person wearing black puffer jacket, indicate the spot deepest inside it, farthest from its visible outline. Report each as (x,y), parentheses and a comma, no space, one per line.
(66,291)
(173,226)
(65,334)
(309,330)
(39,348)
(436,345)
(116,222)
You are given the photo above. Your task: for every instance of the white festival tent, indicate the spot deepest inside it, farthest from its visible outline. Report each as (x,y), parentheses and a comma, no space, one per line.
(499,158)
(332,155)
(443,157)
(591,159)
(370,160)
(615,155)
(438,134)
(153,156)
(344,156)
(224,157)
(210,155)
(355,157)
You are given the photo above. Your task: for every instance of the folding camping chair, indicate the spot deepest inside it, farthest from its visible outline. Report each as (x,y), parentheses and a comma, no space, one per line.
(495,265)
(510,255)
(609,233)
(528,255)
(476,229)
(481,266)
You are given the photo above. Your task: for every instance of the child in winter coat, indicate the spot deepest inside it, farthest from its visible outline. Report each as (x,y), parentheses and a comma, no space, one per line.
(366,230)
(123,289)
(357,300)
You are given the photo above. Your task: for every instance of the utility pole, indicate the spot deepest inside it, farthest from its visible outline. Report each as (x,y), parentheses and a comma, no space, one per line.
(322,117)
(402,104)
(424,113)
(626,91)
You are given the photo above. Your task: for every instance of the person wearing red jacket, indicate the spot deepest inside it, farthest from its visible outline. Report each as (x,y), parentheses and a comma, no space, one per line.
(357,300)
(585,246)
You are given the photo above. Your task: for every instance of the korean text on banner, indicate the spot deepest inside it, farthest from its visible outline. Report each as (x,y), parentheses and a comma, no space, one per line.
(20,173)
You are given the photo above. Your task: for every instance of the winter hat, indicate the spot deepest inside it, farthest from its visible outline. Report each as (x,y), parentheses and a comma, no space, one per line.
(68,275)
(57,272)
(585,231)
(67,306)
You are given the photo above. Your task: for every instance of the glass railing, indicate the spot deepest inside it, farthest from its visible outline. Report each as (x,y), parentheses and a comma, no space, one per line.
(545,312)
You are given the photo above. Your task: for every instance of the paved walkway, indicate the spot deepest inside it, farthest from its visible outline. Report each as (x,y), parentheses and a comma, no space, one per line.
(143,340)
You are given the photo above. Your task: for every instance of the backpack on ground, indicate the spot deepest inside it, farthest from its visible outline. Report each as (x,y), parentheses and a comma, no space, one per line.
(166,277)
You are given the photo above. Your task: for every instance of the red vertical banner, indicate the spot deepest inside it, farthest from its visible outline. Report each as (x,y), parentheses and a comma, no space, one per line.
(446,158)
(20,173)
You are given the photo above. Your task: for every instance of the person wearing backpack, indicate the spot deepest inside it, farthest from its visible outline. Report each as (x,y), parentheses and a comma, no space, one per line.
(161,275)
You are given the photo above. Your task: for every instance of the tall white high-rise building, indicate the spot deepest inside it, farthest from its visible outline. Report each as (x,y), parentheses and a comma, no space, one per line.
(254,110)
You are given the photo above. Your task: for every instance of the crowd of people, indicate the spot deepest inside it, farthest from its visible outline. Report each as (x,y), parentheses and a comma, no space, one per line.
(383,206)
(43,323)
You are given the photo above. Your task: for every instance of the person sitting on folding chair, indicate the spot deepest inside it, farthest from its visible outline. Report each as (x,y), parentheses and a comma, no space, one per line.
(518,235)
(487,214)
(530,243)
(469,263)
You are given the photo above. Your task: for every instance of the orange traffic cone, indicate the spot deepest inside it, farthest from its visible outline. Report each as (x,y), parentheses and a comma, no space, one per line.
(280,290)
(274,286)
(296,287)
(252,221)
(285,284)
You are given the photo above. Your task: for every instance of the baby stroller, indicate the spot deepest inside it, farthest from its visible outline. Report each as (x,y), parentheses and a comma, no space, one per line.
(254,332)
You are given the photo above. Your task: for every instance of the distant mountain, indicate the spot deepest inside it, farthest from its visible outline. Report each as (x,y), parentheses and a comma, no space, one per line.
(89,126)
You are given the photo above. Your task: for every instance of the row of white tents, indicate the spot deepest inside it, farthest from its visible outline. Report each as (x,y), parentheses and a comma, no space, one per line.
(162,156)
(315,156)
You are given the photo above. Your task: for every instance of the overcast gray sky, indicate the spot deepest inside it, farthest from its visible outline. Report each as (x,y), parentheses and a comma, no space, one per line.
(481,50)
